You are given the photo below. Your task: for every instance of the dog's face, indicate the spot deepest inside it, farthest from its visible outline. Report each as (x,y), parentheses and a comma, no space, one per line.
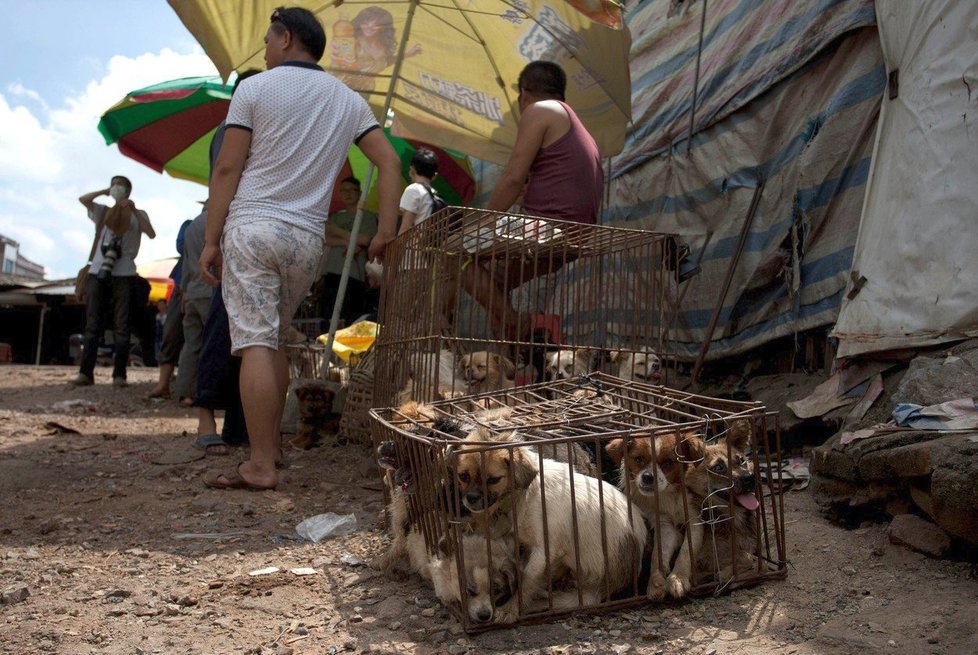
(486,587)
(721,476)
(654,469)
(315,400)
(642,366)
(484,477)
(485,367)
(566,364)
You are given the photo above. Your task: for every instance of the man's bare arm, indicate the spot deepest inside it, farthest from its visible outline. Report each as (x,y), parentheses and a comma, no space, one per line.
(381,153)
(224,184)
(533,127)
(89,198)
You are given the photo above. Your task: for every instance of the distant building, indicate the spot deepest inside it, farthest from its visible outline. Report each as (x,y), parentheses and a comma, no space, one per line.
(15,264)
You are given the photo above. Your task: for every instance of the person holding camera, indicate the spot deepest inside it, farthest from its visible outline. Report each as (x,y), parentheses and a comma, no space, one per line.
(113,268)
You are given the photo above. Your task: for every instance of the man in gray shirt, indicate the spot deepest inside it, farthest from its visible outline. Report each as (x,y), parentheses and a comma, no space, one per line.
(110,275)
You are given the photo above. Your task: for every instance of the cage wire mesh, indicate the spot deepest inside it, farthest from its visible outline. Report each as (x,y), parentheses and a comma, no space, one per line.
(507,504)
(475,300)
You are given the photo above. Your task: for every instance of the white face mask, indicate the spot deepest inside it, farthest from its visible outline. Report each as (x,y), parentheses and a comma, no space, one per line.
(118,192)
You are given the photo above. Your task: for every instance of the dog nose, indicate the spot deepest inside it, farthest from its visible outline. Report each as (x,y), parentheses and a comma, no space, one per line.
(648,477)
(483,615)
(474,498)
(747,482)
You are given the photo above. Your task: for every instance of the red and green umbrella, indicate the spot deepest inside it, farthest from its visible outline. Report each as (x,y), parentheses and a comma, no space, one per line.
(169,127)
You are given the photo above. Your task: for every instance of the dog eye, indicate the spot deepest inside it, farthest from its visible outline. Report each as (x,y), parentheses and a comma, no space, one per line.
(493,479)
(472,591)
(741,461)
(463,477)
(719,467)
(639,459)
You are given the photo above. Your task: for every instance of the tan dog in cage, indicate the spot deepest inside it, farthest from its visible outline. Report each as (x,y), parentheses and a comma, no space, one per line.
(507,485)
(643,365)
(488,585)
(649,464)
(566,364)
(721,541)
(486,371)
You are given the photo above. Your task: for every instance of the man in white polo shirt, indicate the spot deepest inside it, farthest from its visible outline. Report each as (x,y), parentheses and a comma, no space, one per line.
(288,133)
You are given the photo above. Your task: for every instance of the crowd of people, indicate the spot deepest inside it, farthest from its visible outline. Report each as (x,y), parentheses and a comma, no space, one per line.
(264,237)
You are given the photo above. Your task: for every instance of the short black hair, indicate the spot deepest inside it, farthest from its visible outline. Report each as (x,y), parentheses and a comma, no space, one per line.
(352,180)
(304,26)
(543,78)
(251,72)
(123,179)
(425,163)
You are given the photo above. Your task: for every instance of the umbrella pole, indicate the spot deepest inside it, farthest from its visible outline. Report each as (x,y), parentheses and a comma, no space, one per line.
(355,229)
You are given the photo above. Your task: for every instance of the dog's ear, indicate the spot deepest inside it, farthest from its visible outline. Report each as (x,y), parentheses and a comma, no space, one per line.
(506,366)
(738,434)
(691,448)
(523,467)
(301,393)
(509,578)
(616,450)
(445,546)
(615,355)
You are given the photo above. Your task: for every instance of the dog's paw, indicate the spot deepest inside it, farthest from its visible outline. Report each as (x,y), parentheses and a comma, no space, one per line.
(677,586)
(508,613)
(657,587)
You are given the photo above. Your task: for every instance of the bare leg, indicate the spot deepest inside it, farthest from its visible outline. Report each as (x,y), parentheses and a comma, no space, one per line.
(264,381)
(162,388)
(206,423)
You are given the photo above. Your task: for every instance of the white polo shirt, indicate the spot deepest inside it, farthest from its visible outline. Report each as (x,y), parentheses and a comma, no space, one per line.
(302,122)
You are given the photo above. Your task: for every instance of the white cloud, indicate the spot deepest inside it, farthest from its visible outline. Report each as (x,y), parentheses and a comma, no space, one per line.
(51,155)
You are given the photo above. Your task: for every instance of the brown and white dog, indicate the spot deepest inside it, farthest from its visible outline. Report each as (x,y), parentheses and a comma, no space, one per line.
(488,584)
(566,364)
(640,366)
(722,490)
(486,371)
(513,485)
(652,473)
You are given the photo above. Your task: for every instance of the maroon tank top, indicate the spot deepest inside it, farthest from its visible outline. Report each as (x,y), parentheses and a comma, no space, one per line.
(566,178)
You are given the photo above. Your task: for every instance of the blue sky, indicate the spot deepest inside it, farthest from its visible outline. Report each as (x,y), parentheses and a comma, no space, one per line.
(63,63)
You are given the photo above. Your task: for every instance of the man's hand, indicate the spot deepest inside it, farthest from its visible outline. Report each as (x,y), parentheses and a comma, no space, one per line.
(126,203)
(378,245)
(211,265)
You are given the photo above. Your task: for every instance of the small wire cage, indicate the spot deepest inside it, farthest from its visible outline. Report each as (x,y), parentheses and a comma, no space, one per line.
(514,487)
(525,298)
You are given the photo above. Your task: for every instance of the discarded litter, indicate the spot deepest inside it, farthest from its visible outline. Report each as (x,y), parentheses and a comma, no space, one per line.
(265,571)
(351,560)
(319,527)
(66,405)
(303,570)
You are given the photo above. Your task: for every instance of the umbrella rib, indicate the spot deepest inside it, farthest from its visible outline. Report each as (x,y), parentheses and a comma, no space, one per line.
(482,41)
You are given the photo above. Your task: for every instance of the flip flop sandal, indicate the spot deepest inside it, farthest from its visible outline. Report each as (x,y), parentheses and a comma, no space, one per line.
(212,444)
(232,480)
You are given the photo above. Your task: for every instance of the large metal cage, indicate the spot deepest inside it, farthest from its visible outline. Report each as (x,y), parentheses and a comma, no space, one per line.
(514,288)
(564,427)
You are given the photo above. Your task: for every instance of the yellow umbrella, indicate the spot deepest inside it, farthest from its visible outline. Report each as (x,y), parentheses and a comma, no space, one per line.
(448,69)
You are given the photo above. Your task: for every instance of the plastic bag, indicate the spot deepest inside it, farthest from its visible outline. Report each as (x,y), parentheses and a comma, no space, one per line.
(322,526)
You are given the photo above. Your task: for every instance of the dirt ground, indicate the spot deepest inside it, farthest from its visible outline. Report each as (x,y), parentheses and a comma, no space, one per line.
(121,552)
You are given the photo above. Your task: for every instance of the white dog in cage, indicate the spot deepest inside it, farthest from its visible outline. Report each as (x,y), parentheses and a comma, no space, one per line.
(567,364)
(508,485)
(642,365)
(487,585)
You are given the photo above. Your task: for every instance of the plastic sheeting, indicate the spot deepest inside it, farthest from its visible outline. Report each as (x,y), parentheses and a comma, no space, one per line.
(917,241)
(789,93)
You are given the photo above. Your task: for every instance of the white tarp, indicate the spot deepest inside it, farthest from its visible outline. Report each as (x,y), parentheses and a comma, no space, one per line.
(917,246)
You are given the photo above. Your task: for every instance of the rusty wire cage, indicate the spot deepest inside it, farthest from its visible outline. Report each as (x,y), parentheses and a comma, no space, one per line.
(565,426)
(513,290)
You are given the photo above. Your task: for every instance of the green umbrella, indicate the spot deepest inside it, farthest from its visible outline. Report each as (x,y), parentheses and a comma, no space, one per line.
(169,127)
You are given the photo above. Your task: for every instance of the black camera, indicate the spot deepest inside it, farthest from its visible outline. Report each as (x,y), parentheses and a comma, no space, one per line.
(110,254)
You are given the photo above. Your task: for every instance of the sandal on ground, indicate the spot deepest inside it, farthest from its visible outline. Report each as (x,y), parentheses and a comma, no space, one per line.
(232,480)
(212,444)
